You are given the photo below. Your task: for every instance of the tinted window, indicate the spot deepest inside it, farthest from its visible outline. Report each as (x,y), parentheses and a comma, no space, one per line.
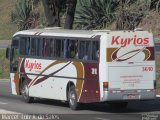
(85,50)
(22,46)
(59,48)
(95,50)
(46,47)
(33,49)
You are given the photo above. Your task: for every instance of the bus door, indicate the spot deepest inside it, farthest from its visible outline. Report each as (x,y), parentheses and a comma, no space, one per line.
(14,56)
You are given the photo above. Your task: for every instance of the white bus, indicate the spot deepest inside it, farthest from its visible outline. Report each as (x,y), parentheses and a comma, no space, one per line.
(82,66)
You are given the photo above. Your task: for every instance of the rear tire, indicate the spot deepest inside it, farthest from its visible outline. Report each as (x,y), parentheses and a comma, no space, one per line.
(72,98)
(25,93)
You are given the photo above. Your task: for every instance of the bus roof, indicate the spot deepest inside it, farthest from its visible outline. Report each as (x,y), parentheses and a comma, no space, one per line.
(57,32)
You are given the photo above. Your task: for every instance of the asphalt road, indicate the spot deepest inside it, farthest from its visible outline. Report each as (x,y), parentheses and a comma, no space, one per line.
(144,110)
(4,43)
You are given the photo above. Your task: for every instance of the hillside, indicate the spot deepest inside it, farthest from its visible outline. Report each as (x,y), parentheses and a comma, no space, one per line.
(7,29)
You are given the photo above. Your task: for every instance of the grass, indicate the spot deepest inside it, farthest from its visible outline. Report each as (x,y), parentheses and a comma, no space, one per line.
(7,29)
(4,65)
(158,72)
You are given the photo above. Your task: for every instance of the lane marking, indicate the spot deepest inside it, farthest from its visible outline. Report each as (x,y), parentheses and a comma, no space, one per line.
(102,118)
(3,111)
(3,103)
(157,95)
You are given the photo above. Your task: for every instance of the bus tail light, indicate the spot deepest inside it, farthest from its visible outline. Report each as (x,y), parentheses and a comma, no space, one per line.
(105,85)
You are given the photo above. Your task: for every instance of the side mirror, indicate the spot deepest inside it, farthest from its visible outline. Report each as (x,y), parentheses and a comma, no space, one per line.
(8,53)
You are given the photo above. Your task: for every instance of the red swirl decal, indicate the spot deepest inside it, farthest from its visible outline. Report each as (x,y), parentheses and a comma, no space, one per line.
(146,52)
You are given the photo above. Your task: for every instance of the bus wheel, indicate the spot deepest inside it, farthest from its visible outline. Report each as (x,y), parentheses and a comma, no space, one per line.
(25,93)
(72,98)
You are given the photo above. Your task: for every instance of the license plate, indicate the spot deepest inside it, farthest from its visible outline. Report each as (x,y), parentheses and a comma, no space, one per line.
(130,97)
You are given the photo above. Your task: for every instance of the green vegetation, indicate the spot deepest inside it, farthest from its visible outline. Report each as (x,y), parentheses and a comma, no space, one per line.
(158,71)
(7,29)
(4,65)
(7,10)
(95,14)
(90,14)
(118,14)
(24,16)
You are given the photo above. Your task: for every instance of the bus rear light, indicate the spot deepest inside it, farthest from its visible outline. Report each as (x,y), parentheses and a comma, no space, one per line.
(85,90)
(97,91)
(105,85)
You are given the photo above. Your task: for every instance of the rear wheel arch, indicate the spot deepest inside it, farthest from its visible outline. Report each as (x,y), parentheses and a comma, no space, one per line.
(22,79)
(25,91)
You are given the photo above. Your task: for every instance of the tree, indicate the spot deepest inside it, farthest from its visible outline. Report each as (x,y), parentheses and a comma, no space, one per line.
(71,6)
(95,14)
(130,13)
(24,16)
(52,10)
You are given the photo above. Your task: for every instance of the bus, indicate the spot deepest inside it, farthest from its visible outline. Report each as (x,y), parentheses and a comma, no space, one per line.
(81,66)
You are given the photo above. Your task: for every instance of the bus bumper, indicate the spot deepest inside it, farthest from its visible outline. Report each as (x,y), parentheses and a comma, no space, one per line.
(128,95)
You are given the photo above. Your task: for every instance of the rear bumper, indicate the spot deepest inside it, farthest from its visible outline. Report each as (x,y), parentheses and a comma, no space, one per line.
(119,96)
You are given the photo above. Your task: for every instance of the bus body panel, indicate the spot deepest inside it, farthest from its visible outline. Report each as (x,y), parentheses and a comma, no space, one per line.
(49,79)
(130,66)
(131,77)
(13,84)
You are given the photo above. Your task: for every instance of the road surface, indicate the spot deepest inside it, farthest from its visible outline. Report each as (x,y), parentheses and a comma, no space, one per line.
(145,110)
(4,43)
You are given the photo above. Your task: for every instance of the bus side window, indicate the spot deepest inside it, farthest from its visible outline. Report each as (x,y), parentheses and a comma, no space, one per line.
(73,49)
(95,50)
(62,49)
(22,46)
(15,54)
(85,49)
(27,51)
(33,47)
(46,44)
(66,48)
(76,49)
(39,47)
(52,48)
(59,48)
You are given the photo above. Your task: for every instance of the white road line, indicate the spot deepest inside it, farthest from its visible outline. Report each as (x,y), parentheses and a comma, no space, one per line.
(157,95)
(3,103)
(102,118)
(2,111)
